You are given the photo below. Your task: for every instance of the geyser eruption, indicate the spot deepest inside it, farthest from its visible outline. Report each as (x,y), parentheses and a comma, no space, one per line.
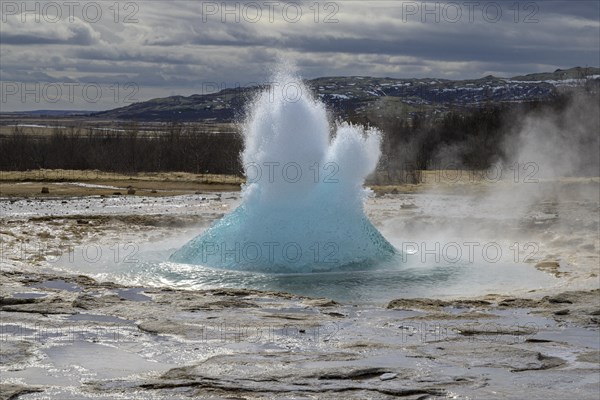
(302,205)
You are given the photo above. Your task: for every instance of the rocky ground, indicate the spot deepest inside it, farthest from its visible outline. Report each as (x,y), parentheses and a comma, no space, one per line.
(68,336)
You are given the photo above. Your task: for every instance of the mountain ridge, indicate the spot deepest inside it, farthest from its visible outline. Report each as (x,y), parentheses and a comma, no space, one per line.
(367,95)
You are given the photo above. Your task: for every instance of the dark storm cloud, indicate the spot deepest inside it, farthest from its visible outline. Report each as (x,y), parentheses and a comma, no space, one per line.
(16,74)
(577,8)
(129,55)
(460,47)
(76,33)
(171,48)
(29,39)
(482,40)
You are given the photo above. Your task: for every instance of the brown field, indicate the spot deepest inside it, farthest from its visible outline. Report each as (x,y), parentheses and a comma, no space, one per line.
(67,183)
(62,183)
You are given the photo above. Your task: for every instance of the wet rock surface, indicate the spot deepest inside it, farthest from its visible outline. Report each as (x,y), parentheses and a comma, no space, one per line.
(10,391)
(250,344)
(68,336)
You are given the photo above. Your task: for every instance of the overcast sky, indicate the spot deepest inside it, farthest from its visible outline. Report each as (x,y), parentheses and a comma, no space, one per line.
(95,55)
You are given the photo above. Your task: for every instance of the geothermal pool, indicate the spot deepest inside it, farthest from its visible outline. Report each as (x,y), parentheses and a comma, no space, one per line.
(375,285)
(143,252)
(301,227)
(161,329)
(305,224)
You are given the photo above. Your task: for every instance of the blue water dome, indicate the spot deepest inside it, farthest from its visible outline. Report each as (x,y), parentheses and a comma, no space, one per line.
(302,204)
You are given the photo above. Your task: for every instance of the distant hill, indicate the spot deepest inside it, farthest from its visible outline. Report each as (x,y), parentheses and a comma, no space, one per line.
(49,113)
(364,95)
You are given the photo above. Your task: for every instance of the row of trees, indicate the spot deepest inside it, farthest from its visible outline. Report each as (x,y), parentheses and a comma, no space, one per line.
(477,138)
(471,139)
(185,148)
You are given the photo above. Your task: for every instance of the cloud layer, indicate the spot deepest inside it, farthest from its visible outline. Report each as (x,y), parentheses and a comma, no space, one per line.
(167,48)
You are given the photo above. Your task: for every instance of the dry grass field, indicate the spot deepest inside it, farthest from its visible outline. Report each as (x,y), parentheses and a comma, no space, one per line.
(88,183)
(72,183)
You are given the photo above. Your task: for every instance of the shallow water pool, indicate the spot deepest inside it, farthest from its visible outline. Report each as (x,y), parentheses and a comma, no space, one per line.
(402,277)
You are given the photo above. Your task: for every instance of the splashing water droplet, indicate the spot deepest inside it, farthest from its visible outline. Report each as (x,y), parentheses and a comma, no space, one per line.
(302,204)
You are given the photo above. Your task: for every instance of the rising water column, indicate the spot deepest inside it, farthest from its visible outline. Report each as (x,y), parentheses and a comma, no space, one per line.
(302,204)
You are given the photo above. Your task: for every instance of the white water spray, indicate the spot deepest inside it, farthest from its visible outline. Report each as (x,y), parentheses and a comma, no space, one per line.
(302,205)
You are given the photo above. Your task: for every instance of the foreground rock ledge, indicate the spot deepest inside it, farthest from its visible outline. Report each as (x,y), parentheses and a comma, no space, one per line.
(102,339)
